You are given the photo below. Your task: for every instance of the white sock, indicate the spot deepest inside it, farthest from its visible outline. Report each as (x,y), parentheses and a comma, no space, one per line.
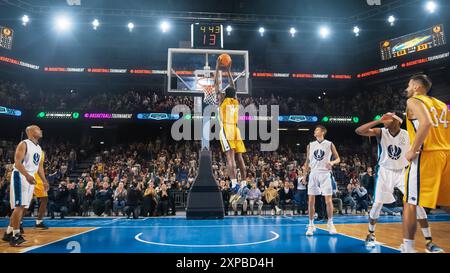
(16,231)
(371,228)
(9,230)
(38,222)
(330,221)
(311,222)
(409,245)
(426,232)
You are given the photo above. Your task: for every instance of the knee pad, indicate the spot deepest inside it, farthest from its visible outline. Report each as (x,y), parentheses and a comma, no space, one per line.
(421,213)
(375,211)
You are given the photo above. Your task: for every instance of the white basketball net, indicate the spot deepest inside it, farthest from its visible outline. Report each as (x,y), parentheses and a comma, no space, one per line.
(207,85)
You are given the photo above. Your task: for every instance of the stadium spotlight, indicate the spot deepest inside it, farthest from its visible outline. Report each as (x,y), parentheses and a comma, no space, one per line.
(63,23)
(356,30)
(95,24)
(130,26)
(261,31)
(164,26)
(229,29)
(25,20)
(431,6)
(391,20)
(324,32)
(292,31)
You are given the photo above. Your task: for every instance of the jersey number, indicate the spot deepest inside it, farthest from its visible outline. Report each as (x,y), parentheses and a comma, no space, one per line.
(439,119)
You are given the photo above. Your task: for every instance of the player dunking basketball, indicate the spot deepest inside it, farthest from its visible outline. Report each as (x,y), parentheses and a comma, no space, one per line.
(27,161)
(230,135)
(393,143)
(319,164)
(428,175)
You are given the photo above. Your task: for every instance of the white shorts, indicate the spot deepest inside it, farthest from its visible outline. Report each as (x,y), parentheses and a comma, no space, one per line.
(385,182)
(21,192)
(320,183)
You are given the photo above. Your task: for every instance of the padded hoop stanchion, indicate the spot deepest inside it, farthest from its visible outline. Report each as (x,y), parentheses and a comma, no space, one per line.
(205,198)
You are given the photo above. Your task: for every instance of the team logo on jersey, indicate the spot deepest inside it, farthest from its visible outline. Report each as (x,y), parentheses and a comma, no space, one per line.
(319,154)
(394,152)
(36,158)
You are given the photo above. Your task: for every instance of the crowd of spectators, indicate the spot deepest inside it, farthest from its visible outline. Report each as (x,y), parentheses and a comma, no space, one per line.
(365,103)
(154,178)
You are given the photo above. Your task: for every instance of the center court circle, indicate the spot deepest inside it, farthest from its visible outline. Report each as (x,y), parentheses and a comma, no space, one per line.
(275,236)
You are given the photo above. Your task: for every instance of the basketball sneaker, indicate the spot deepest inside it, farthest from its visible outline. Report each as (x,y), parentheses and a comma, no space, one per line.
(432,248)
(17,240)
(311,230)
(41,226)
(7,237)
(370,240)
(331,229)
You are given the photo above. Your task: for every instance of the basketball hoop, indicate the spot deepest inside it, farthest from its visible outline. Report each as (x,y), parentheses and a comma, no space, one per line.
(210,96)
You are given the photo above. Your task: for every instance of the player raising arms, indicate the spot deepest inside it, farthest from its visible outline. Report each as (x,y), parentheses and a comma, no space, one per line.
(230,135)
(393,143)
(318,160)
(428,175)
(27,161)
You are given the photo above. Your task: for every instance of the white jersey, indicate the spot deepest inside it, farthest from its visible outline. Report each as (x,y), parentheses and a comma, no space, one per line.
(319,155)
(392,149)
(33,156)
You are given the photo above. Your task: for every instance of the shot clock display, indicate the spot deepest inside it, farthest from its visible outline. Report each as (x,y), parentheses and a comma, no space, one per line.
(415,42)
(206,36)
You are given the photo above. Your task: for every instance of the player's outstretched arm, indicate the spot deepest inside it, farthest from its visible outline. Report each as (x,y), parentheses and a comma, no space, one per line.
(230,77)
(216,84)
(420,112)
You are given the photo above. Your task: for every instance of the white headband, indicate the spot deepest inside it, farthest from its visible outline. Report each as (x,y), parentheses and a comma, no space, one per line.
(398,118)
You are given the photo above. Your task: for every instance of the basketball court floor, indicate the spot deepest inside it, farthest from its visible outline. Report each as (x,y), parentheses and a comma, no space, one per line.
(242,234)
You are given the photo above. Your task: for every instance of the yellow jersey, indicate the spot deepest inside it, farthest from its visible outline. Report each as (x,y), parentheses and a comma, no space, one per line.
(438,138)
(229,111)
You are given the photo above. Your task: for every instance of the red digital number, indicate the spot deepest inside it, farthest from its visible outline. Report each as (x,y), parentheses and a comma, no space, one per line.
(212,39)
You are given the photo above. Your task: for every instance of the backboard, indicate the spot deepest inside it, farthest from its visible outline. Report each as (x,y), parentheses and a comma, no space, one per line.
(190,70)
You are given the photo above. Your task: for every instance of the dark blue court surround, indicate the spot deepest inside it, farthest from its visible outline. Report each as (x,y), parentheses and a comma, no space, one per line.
(231,235)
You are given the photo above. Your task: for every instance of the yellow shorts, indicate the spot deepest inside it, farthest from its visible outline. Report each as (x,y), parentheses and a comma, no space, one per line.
(428,180)
(39,189)
(230,139)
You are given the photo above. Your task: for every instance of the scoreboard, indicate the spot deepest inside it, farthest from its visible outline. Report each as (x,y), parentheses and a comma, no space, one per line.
(411,43)
(6,37)
(207,36)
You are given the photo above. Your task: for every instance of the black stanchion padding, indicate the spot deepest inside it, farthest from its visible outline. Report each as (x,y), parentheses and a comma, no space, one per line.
(205,198)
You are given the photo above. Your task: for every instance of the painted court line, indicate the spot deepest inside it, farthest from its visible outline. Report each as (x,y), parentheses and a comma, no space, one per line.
(359,239)
(39,246)
(276,236)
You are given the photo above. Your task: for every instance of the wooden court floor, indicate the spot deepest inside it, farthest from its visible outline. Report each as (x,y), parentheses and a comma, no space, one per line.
(390,234)
(36,237)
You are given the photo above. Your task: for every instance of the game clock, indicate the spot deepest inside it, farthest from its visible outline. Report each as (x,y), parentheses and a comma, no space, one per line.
(207,36)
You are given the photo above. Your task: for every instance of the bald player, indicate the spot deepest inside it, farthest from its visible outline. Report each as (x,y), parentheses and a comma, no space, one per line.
(27,161)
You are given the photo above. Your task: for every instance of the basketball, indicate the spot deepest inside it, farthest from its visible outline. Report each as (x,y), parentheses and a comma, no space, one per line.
(225,60)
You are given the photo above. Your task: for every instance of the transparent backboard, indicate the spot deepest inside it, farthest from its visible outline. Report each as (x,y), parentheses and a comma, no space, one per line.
(190,70)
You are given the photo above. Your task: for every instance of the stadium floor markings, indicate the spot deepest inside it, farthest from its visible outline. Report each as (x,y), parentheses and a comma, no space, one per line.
(37,238)
(390,234)
(229,235)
